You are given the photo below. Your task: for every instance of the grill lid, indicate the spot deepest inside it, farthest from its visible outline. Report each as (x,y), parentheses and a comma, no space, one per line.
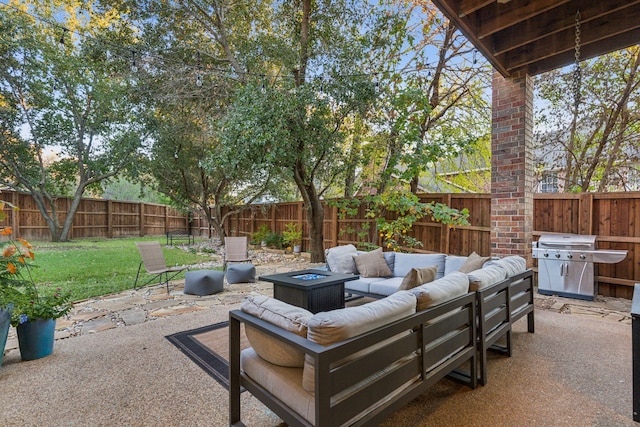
(567,241)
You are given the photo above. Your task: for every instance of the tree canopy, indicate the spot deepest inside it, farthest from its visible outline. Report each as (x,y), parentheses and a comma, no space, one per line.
(67,122)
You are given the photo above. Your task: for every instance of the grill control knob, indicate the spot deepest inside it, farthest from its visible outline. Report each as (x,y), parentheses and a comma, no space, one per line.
(546,254)
(557,254)
(569,255)
(583,256)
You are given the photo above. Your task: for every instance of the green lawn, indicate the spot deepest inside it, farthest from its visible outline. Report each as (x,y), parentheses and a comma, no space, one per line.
(94,267)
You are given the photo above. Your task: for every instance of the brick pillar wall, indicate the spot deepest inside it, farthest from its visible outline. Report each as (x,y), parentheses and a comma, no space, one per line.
(512,166)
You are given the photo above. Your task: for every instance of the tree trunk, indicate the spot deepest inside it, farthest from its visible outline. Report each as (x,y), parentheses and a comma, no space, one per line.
(41,201)
(315,219)
(71,214)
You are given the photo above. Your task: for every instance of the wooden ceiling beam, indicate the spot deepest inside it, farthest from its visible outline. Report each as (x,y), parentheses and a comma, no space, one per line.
(594,31)
(467,7)
(554,21)
(447,7)
(496,17)
(538,35)
(618,42)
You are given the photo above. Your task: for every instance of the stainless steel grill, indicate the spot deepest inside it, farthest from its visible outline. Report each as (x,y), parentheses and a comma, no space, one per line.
(565,264)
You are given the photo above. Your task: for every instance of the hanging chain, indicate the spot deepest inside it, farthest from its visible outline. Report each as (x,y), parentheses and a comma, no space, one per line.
(577,71)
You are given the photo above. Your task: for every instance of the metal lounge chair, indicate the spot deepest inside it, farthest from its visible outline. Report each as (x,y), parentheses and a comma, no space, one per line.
(154,263)
(236,250)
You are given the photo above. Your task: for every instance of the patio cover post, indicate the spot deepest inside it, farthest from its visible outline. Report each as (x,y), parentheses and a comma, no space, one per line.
(512,166)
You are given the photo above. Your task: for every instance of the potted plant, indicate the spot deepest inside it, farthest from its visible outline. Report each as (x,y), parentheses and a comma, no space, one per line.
(8,291)
(260,236)
(292,236)
(33,313)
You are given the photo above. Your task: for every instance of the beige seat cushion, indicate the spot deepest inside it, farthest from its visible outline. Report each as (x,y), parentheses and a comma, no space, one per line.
(418,276)
(281,382)
(473,262)
(340,259)
(442,290)
(372,264)
(286,316)
(486,276)
(337,325)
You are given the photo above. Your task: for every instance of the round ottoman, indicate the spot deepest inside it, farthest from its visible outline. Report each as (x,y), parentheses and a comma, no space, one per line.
(203,282)
(241,273)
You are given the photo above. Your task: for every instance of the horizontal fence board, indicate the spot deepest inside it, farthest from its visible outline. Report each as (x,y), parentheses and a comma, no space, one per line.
(613,217)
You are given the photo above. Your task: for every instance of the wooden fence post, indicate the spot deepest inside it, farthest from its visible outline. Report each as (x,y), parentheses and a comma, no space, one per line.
(585,214)
(110,219)
(15,215)
(334,226)
(445,230)
(141,219)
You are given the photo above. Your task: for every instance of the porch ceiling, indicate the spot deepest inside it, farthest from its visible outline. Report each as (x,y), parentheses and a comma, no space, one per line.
(535,36)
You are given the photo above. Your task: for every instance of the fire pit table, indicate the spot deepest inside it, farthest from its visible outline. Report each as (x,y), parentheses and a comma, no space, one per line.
(314,290)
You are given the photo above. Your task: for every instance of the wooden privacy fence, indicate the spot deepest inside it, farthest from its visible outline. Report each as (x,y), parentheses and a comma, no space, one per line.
(94,218)
(613,217)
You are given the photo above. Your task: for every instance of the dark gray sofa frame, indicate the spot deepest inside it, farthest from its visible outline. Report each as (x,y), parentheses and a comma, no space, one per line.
(499,306)
(434,346)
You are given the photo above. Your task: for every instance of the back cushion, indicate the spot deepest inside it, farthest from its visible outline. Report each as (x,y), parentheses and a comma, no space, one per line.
(330,327)
(340,259)
(442,290)
(405,262)
(286,316)
(512,264)
(453,263)
(486,276)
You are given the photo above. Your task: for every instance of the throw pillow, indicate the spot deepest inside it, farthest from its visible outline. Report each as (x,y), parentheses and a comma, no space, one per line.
(286,316)
(418,276)
(340,259)
(473,262)
(372,264)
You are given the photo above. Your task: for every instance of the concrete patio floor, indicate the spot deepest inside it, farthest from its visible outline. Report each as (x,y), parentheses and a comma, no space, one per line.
(116,368)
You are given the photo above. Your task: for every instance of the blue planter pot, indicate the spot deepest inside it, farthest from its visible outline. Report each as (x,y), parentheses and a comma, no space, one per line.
(36,338)
(5,322)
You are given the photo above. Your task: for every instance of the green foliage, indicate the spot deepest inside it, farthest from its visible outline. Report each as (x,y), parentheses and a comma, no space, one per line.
(94,267)
(17,287)
(394,214)
(592,146)
(429,115)
(261,234)
(274,240)
(292,234)
(63,99)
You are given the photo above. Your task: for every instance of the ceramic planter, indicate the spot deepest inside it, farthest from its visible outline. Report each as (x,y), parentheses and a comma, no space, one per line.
(36,338)
(5,322)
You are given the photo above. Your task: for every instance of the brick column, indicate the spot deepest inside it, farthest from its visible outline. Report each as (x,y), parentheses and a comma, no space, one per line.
(512,166)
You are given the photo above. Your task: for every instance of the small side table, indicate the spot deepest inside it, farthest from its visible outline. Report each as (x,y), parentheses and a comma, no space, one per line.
(203,282)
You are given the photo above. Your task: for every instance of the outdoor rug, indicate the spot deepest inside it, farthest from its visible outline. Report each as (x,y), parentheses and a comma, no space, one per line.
(208,347)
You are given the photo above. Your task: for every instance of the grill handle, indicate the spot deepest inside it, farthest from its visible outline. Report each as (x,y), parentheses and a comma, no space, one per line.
(564,245)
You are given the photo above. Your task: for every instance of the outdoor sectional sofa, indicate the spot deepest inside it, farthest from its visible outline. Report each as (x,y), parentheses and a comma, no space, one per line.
(357,365)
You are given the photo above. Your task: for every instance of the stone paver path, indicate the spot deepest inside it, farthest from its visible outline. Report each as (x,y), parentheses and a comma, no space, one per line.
(146,304)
